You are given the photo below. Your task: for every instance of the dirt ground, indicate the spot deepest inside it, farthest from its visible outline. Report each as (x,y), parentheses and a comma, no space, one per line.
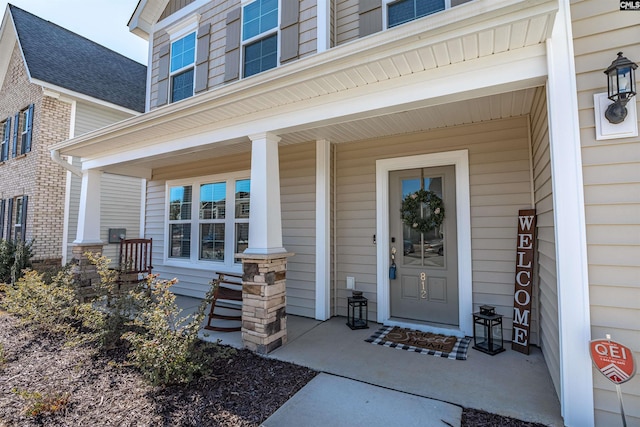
(90,390)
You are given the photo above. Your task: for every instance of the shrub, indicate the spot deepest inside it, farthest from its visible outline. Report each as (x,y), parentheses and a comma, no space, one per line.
(168,351)
(15,257)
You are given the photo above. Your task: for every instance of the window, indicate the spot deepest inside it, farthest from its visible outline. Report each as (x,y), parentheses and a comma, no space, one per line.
(183,56)
(22,129)
(16,217)
(208,219)
(19,209)
(5,131)
(404,11)
(260,36)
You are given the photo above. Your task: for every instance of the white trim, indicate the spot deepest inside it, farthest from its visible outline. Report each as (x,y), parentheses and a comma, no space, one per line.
(177,16)
(67,190)
(88,232)
(323,236)
(460,159)
(605,130)
(323,30)
(576,378)
(143,208)
(183,28)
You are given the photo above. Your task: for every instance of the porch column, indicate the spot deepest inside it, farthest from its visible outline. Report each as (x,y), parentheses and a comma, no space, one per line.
(576,380)
(264,262)
(323,224)
(88,233)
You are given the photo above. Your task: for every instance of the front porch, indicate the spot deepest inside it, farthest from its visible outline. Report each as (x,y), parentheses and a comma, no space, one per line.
(510,383)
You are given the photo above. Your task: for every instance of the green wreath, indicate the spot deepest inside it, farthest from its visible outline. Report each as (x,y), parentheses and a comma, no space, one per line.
(411,206)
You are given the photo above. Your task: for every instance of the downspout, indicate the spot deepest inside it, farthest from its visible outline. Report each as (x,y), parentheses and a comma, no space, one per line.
(55,156)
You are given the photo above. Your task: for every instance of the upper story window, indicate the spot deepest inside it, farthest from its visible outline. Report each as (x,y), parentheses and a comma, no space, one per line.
(402,11)
(260,36)
(22,131)
(5,131)
(182,64)
(208,219)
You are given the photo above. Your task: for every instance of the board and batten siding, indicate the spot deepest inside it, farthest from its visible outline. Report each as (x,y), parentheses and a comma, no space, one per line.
(297,193)
(611,174)
(546,245)
(500,185)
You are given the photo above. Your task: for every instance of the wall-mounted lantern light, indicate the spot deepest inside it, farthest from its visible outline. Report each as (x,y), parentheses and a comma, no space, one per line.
(621,83)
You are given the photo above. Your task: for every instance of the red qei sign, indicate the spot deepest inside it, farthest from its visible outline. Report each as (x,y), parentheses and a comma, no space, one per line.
(613,360)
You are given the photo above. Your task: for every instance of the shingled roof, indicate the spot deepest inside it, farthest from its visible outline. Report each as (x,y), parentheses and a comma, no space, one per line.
(62,58)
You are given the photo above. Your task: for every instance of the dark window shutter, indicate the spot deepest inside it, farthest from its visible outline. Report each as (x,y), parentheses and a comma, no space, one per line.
(9,218)
(5,142)
(163,75)
(14,143)
(23,229)
(202,60)
(2,211)
(289,32)
(232,47)
(370,17)
(27,143)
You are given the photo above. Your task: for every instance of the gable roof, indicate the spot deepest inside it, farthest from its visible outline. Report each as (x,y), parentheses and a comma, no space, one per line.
(62,58)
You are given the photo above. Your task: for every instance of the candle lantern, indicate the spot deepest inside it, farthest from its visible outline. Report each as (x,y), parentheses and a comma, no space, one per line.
(358,314)
(487,331)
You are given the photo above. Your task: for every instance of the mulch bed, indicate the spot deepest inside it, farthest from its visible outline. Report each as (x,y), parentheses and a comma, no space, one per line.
(244,390)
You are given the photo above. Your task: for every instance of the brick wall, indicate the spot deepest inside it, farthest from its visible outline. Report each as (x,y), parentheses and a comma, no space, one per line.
(34,174)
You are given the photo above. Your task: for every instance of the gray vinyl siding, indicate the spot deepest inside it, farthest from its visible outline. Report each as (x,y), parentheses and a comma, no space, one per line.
(346,21)
(173,6)
(546,253)
(499,186)
(308,25)
(91,117)
(611,174)
(297,193)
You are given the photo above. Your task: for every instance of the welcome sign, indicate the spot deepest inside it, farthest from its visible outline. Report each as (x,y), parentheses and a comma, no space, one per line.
(524,280)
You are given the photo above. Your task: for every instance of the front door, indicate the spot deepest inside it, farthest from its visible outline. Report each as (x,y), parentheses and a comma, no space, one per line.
(425,288)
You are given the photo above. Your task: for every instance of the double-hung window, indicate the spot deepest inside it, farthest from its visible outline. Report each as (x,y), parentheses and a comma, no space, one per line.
(402,11)
(19,223)
(182,67)
(260,36)
(5,131)
(208,219)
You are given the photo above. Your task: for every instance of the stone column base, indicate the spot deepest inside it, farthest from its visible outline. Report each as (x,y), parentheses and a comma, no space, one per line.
(84,272)
(264,302)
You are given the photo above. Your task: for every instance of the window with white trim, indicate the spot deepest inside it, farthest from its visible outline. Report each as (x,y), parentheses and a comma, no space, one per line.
(403,11)
(182,67)
(208,219)
(18,233)
(259,36)
(5,131)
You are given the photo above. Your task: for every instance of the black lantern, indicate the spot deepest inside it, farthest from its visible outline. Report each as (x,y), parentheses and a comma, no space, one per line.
(487,331)
(621,84)
(358,315)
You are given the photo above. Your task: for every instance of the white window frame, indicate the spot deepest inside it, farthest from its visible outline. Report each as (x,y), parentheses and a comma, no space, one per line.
(177,32)
(385,12)
(24,130)
(244,43)
(5,138)
(229,264)
(17,219)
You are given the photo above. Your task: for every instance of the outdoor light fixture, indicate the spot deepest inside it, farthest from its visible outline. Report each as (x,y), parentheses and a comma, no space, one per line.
(621,82)
(358,315)
(487,331)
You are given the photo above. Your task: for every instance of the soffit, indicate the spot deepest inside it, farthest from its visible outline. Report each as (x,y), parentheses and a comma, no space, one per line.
(497,29)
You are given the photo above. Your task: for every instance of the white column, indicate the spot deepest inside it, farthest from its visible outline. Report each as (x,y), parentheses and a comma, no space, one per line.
(265,218)
(89,215)
(576,395)
(323,236)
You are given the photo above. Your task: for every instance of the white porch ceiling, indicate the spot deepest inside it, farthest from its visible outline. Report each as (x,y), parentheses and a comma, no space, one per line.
(472,63)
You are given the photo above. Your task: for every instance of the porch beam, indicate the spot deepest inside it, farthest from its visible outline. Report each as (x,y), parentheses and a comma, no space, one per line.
(265,217)
(576,379)
(88,232)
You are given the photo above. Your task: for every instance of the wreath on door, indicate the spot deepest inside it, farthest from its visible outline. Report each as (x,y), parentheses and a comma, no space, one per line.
(412,205)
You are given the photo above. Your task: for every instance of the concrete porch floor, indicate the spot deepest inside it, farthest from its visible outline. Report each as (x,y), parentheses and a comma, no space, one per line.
(509,383)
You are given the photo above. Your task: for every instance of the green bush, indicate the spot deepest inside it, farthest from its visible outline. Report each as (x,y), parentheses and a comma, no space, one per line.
(15,257)
(168,351)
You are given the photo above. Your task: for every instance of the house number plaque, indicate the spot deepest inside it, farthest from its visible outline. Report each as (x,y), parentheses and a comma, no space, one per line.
(423,292)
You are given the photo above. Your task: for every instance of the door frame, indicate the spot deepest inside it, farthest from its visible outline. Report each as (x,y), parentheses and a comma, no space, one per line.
(460,159)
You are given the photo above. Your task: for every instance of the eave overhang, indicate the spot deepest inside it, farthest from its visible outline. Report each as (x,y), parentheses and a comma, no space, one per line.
(477,49)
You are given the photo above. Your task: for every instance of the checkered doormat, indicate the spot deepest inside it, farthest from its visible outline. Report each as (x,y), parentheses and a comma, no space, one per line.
(458,352)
